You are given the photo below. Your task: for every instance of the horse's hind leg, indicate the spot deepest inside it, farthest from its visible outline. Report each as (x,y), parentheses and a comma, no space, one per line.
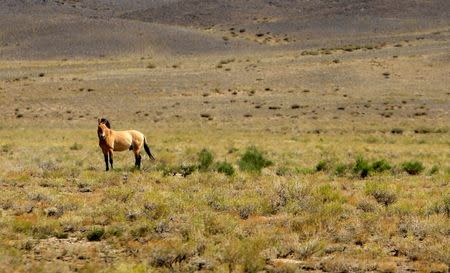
(137,162)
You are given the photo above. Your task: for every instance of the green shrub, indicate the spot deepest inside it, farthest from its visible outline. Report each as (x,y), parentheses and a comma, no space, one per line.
(205,159)
(434,170)
(340,169)
(95,234)
(321,166)
(225,168)
(362,167)
(253,160)
(413,167)
(381,166)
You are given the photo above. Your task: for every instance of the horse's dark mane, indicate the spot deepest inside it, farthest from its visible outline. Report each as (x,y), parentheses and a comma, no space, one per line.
(106,122)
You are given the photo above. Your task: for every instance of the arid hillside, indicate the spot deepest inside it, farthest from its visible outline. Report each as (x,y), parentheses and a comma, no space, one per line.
(67,29)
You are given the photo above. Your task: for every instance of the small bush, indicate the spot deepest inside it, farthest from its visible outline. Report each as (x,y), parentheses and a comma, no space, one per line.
(183,169)
(308,249)
(340,169)
(186,170)
(413,167)
(321,166)
(380,166)
(361,167)
(225,168)
(380,192)
(245,211)
(434,170)
(441,206)
(168,255)
(384,197)
(76,147)
(95,234)
(397,131)
(205,159)
(253,160)
(366,206)
(283,171)
(5,148)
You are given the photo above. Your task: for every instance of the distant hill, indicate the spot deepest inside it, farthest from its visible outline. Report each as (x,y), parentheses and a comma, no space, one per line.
(33,29)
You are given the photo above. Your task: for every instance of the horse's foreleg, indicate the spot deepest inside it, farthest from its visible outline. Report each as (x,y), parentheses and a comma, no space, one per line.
(106,161)
(111,158)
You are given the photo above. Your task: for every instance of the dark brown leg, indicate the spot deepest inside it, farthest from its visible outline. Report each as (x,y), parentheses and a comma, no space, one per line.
(137,161)
(106,161)
(111,159)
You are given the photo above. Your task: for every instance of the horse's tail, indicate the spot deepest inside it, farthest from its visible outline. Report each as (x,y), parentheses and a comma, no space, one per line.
(147,150)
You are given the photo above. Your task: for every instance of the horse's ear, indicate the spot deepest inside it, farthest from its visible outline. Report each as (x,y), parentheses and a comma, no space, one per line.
(106,122)
(99,121)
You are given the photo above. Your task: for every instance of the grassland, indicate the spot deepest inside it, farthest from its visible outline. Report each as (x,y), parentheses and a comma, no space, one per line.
(355,153)
(56,196)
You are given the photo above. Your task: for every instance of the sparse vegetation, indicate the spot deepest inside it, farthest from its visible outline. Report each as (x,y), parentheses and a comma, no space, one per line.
(413,167)
(95,234)
(340,169)
(76,146)
(253,160)
(434,170)
(225,167)
(362,167)
(397,131)
(321,166)
(380,192)
(156,205)
(205,159)
(380,166)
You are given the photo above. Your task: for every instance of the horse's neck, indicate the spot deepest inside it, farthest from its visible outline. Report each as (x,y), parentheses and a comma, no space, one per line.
(109,132)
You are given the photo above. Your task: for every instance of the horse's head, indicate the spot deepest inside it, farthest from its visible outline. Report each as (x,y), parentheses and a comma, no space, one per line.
(105,121)
(102,129)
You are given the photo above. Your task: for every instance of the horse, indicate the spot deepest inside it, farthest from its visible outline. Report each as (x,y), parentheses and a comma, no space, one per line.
(111,140)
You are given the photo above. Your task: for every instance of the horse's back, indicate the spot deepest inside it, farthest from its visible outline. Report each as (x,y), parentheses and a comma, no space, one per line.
(137,136)
(128,140)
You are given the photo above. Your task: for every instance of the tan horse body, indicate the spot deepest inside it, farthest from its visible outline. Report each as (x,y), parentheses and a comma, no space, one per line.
(111,141)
